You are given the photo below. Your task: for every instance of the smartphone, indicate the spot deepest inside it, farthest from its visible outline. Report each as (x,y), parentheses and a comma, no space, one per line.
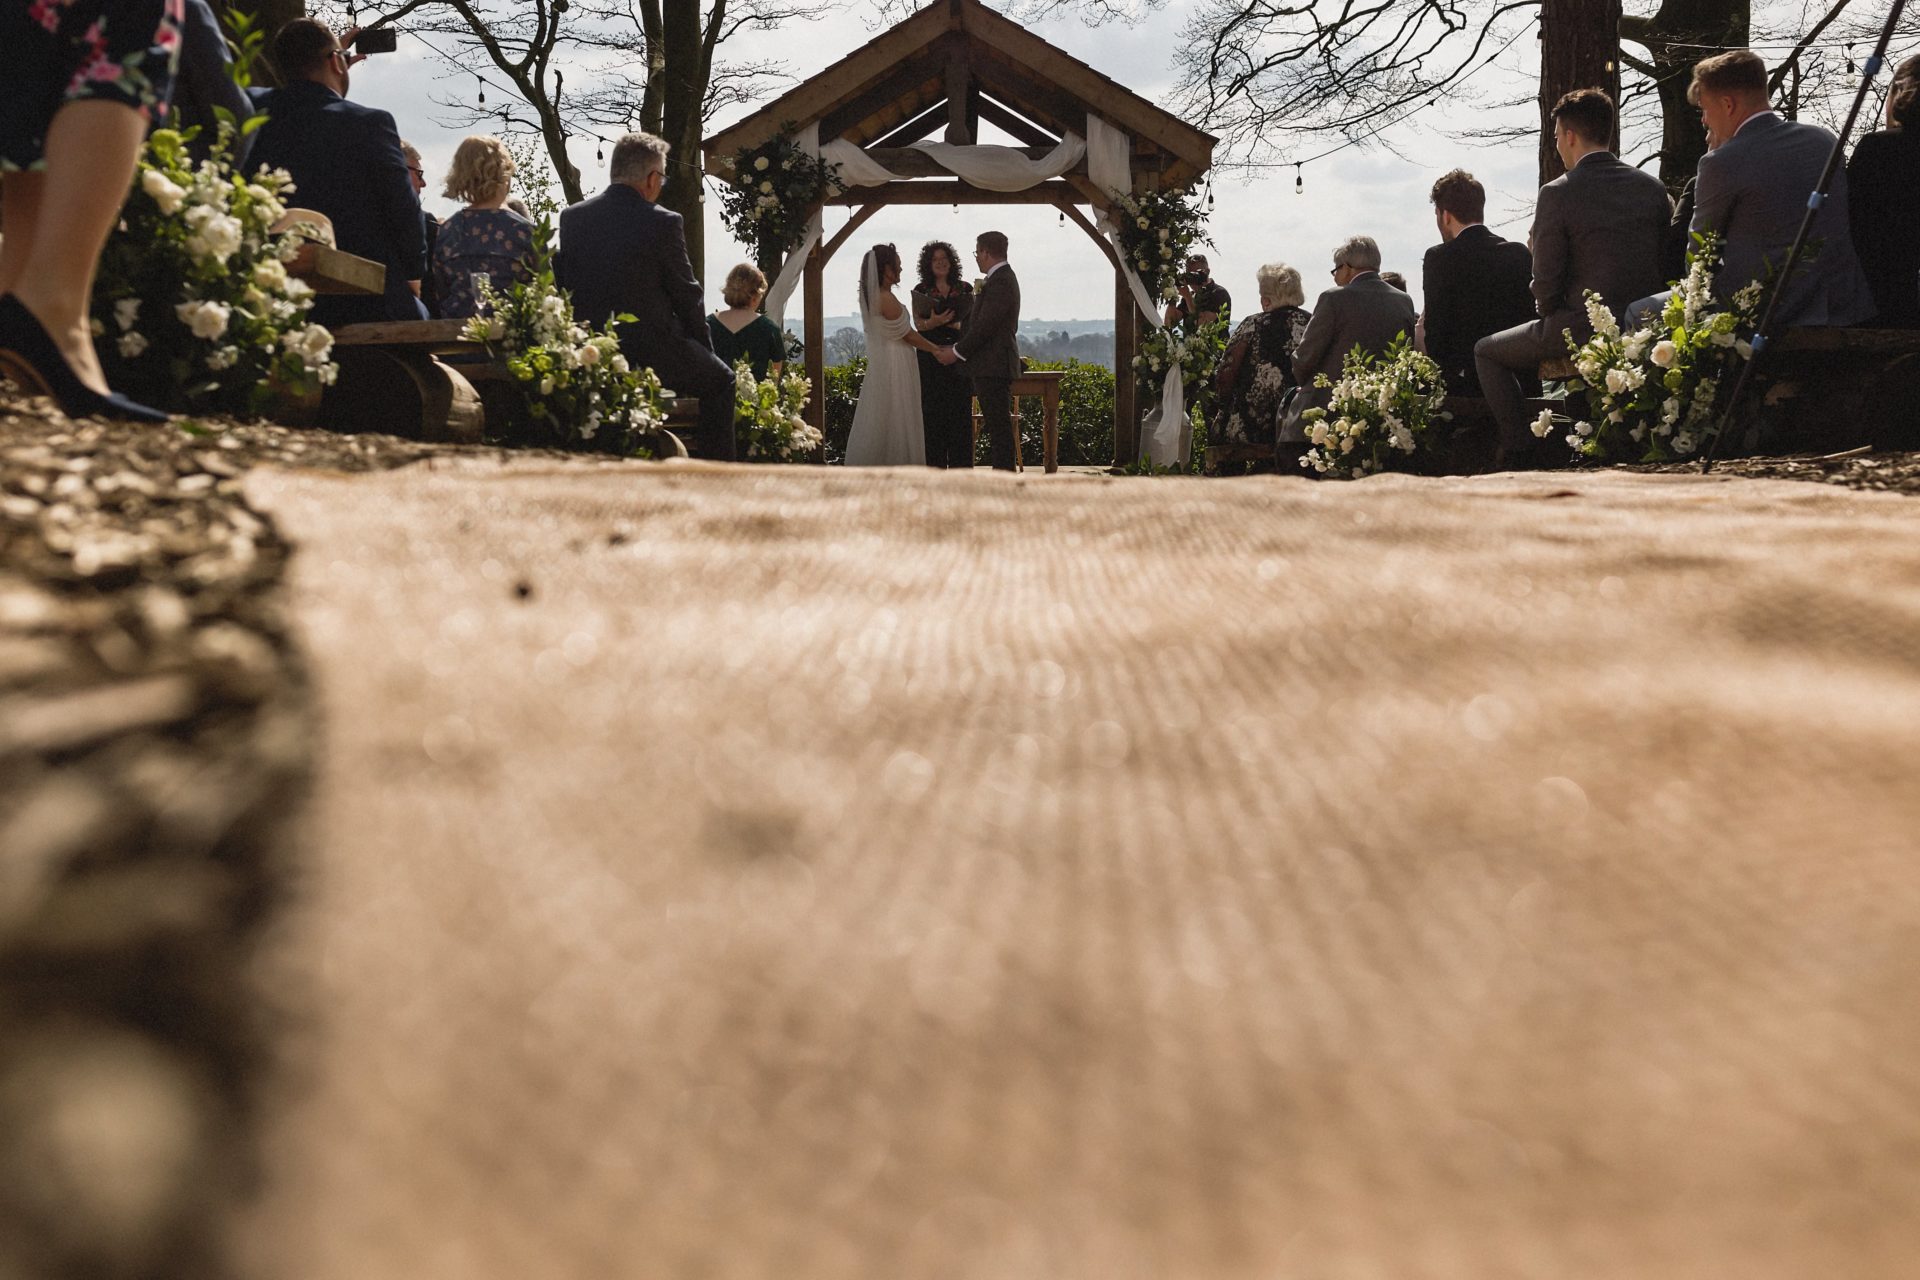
(377,40)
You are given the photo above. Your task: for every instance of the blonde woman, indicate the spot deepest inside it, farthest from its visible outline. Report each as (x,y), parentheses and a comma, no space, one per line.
(740,330)
(1257,369)
(484,240)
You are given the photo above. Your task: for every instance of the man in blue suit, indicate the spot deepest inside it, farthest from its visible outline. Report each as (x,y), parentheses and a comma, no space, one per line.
(621,253)
(346,162)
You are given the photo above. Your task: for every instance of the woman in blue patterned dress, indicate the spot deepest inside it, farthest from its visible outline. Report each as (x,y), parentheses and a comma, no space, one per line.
(84,81)
(485,239)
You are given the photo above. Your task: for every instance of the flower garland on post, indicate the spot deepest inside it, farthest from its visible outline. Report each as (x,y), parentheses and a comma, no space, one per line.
(1650,393)
(767,417)
(193,308)
(775,190)
(1385,412)
(574,387)
(1157,229)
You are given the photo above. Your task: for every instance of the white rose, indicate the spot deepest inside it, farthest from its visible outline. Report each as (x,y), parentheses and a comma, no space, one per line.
(1141,223)
(1617,382)
(760,165)
(1664,354)
(132,346)
(162,191)
(125,312)
(207,320)
(620,364)
(270,274)
(766,188)
(589,355)
(1543,425)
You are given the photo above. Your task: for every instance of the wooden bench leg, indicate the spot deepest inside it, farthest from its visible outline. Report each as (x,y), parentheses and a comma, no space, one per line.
(403,393)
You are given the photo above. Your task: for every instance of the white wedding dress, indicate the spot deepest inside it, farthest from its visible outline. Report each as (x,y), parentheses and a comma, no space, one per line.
(888,430)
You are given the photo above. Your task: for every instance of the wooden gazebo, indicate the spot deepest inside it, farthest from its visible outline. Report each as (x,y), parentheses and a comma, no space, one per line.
(947,68)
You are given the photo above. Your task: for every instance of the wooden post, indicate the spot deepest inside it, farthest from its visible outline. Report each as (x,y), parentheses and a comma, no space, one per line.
(958,126)
(1126,416)
(814,303)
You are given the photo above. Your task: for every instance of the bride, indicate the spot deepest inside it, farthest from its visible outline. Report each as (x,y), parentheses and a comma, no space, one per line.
(887,426)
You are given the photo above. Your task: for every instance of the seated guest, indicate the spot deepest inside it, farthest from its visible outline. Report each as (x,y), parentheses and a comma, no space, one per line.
(1752,189)
(485,239)
(417,173)
(1256,370)
(1363,313)
(1201,300)
(623,253)
(1395,279)
(1476,282)
(741,331)
(346,162)
(1597,227)
(1883,181)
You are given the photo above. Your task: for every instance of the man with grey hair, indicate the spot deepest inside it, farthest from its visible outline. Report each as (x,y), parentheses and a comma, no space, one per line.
(1362,312)
(622,254)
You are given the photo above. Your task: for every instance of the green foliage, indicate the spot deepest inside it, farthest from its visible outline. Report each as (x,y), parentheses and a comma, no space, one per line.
(1086,416)
(1157,230)
(533,178)
(573,387)
(193,307)
(1385,410)
(767,416)
(842,395)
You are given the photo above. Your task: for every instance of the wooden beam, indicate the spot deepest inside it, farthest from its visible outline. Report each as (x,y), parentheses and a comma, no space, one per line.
(956,192)
(958,131)
(1126,409)
(832,246)
(916,129)
(995,114)
(815,312)
(1056,112)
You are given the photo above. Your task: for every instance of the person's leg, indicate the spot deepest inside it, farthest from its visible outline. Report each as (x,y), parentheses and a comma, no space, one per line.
(1502,360)
(1644,312)
(996,415)
(20,196)
(92,146)
(707,377)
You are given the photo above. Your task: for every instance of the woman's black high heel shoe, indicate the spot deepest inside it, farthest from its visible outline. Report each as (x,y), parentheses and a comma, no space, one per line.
(29,358)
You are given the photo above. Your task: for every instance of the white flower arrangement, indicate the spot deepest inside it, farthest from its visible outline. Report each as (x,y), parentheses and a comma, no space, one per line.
(193,299)
(1649,394)
(1156,231)
(1384,411)
(775,189)
(574,387)
(768,417)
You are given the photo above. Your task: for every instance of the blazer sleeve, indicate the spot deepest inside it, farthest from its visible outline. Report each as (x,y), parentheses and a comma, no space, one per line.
(683,290)
(406,226)
(1550,254)
(992,311)
(1713,196)
(203,64)
(1317,340)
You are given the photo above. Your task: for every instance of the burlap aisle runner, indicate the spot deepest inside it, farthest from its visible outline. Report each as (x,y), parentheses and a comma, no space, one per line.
(800,874)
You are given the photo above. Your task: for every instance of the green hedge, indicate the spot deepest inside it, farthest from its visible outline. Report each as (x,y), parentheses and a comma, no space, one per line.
(1086,414)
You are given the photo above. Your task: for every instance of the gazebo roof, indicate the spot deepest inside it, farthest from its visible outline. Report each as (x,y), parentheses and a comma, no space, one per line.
(953,64)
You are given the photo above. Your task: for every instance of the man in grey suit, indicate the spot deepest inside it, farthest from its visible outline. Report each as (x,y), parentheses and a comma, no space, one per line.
(1363,312)
(1752,190)
(989,347)
(1597,227)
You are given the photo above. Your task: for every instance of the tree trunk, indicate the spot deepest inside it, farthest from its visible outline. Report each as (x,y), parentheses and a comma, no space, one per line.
(683,64)
(1579,49)
(1671,37)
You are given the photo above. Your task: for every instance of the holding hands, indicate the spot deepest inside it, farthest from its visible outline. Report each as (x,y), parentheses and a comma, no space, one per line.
(945,355)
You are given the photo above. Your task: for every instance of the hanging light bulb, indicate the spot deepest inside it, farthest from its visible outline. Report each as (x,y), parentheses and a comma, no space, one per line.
(1299,182)
(1849,59)
(599,150)
(1063,217)
(483,90)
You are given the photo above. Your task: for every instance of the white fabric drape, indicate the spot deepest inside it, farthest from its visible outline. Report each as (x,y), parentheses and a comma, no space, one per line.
(796,264)
(991,168)
(1163,432)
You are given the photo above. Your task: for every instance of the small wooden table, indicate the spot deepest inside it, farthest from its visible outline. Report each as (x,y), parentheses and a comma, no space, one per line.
(1044,383)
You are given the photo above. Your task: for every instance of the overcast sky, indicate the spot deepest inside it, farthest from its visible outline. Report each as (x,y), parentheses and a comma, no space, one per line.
(1063,275)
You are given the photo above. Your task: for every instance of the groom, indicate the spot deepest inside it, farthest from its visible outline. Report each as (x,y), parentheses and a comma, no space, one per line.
(988,349)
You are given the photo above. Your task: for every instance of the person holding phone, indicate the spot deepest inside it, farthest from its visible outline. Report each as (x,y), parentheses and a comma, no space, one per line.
(347,163)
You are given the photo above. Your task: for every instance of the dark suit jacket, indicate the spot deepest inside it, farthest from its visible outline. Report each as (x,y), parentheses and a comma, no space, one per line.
(620,252)
(205,81)
(346,162)
(990,343)
(1600,226)
(1366,314)
(1475,284)
(1883,192)
(1753,190)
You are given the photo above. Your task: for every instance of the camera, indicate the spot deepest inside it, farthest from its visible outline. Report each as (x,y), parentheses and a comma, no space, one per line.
(1193,279)
(377,40)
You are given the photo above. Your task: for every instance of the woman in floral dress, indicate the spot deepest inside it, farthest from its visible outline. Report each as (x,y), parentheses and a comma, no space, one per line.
(1257,369)
(83,81)
(485,240)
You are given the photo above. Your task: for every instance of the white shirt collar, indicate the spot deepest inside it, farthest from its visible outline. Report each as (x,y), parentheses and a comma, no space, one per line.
(995,267)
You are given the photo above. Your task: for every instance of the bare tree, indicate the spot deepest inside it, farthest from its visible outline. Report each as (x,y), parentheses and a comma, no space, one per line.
(646,64)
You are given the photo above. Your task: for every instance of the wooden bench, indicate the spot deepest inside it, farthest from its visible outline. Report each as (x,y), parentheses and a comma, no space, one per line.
(427,380)
(326,269)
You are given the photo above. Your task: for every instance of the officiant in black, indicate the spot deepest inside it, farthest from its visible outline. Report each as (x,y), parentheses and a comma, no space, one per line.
(942,301)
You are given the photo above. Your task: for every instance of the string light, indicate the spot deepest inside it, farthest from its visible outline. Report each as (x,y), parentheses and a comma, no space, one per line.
(1299,182)
(1850,70)
(483,90)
